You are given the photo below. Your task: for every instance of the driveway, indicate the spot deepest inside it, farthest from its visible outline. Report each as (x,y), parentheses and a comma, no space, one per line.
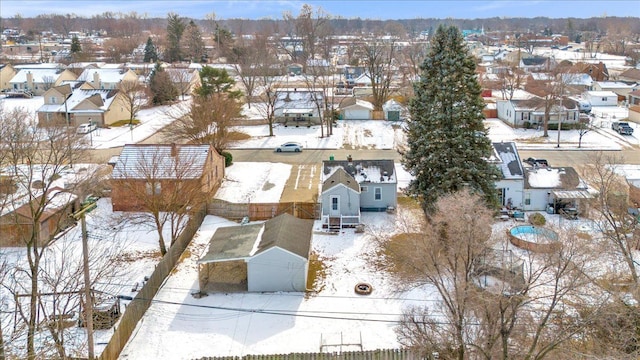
(303,183)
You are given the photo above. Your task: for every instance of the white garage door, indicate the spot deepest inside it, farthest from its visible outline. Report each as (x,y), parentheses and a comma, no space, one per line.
(356,114)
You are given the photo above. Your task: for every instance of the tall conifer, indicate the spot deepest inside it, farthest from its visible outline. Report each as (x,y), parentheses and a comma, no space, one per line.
(448,146)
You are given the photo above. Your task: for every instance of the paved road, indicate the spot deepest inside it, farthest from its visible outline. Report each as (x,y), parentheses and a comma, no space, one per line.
(311,156)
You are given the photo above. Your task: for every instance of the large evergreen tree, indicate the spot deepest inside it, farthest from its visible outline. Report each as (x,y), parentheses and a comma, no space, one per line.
(175,29)
(150,52)
(447,142)
(161,87)
(216,81)
(75,45)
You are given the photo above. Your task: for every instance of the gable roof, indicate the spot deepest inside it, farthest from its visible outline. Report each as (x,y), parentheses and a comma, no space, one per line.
(340,176)
(165,161)
(38,75)
(358,104)
(232,243)
(287,232)
(508,160)
(631,74)
(534,61)
(364,171)
(244,241)
(106,75)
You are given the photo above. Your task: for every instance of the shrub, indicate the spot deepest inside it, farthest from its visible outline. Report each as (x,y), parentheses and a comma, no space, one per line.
(537,219)
(228,158)
(526,125)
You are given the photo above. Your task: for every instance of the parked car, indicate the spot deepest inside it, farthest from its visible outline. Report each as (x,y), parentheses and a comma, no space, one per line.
(290,146)
(86,128)
(537,162)
(622,127)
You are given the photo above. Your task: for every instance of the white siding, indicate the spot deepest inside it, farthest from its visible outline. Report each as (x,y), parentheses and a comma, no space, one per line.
(276,270)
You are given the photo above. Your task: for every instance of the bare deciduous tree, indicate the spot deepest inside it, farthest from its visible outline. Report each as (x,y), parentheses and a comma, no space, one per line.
(378,57)
(35,206)
(166,187)
(492,302)
(207,121)
(610,207)
(134,97)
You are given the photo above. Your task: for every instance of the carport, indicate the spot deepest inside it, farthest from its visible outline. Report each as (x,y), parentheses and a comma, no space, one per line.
(571,201)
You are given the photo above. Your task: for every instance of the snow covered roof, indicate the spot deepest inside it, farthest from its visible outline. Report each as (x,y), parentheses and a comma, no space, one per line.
(106,75)
(340,176)
(359,104)
(552,178)
(392,105)
(508,160)
(170,161)
(79,96)
(615,85)
(46,75)
(577,79)
(364,171)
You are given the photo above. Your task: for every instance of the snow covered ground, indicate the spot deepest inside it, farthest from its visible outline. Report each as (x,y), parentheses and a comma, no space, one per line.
(227,324)
(355,134)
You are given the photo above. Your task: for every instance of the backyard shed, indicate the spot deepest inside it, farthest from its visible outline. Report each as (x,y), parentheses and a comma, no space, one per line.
(269,256)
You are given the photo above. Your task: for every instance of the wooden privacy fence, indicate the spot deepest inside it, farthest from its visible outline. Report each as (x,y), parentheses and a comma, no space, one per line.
(388,354)
(263,211)
(141,302)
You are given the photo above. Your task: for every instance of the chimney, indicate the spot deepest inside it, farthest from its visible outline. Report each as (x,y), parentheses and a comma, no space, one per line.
(29,80)
(96,80)
(174,150)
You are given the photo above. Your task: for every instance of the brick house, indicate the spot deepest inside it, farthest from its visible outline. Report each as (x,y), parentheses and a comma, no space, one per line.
(18,224)
(166,172)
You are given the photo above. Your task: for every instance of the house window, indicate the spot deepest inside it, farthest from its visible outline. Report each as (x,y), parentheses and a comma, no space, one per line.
(334,203)
(53,100)
(364,188)
(527,199)
(153,188)
(377,193)
(604,99)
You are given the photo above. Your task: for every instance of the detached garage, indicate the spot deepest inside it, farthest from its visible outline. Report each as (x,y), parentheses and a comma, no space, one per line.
(392,110)
(270,256)
(356,109)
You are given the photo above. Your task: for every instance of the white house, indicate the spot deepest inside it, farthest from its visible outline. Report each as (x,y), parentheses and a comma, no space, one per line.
(511,185)
(548,188)
(601,98)
(299,106)
(530,112)
(269,256)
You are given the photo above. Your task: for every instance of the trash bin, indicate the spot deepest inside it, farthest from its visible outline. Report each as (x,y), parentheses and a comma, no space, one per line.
(331,157)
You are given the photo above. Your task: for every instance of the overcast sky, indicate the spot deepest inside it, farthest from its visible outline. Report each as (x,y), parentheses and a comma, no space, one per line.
(383,9)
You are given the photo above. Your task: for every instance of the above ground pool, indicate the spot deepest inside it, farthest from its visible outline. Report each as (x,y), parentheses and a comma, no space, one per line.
(534,238)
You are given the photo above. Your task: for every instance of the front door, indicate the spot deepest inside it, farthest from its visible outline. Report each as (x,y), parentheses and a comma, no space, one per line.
(335,205)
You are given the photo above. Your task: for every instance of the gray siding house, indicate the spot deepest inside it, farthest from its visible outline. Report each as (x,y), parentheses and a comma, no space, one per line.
(377,188)
(341,200)
(263,257)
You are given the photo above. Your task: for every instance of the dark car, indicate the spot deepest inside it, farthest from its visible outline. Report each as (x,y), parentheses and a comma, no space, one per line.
(537,162)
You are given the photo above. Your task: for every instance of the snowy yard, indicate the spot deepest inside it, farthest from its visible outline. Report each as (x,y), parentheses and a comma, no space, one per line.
(227,324)
(354,134)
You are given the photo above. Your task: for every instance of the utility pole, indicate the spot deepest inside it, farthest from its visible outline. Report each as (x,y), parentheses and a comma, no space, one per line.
(87,206)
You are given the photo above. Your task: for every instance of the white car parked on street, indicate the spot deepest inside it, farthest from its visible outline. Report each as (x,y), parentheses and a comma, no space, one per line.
(86,128)
(289,146)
